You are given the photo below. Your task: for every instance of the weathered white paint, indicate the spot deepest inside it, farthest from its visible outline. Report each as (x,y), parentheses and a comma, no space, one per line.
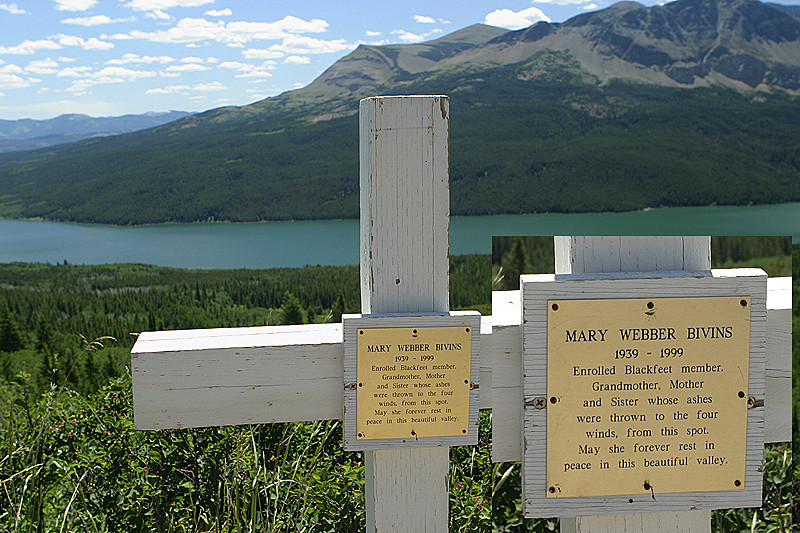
(196,378)
(537,289)
(506,359)
(662,253)
(668,522)
(405,217)
(580,254)
(405,204)
(778,405)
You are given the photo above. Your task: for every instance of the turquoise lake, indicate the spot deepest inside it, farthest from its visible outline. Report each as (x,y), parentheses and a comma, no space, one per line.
(335,242)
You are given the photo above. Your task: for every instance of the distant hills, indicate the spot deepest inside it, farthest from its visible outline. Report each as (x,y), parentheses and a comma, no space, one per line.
(691,103)
(28,134)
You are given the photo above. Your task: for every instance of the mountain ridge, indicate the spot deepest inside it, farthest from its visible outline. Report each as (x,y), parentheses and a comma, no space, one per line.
(748,46)
(533,129)
(27,134)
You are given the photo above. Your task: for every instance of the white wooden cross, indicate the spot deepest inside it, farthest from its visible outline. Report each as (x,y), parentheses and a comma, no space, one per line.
(295,373)
(216,377)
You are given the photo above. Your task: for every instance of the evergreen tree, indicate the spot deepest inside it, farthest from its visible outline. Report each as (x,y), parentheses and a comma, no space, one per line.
(337,309)
(11,336)
(515,262)
(44,337)
(50,371)
(292,309)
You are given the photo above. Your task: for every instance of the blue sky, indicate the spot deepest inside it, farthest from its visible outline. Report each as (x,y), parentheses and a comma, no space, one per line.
(112,57)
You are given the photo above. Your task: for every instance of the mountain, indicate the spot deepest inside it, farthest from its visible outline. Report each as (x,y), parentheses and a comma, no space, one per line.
(692,103)
(743,44)
(27,134)
(792,10)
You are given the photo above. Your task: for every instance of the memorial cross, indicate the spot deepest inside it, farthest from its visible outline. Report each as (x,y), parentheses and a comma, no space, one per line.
(590,257)
(295,373)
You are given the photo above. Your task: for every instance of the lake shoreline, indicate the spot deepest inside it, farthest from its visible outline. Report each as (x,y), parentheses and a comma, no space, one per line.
(293,220)
(336,242)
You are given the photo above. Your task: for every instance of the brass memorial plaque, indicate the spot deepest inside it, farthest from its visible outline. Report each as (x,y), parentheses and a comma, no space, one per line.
(413,382)
(646,395)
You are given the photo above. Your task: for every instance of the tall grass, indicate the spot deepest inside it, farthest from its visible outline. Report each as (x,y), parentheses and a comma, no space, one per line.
(72,462)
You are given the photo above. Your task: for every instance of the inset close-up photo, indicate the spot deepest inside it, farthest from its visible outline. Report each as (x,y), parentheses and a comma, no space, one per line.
(643,379)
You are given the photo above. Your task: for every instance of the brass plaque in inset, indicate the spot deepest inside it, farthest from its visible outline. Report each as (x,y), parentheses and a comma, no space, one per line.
(413,382)
(647,395)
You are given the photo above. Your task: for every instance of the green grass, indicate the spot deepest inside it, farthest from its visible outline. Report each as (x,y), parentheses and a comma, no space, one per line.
(72,462)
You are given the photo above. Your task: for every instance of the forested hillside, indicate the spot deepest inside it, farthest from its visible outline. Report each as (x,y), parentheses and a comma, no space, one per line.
(517,145)
(50,314)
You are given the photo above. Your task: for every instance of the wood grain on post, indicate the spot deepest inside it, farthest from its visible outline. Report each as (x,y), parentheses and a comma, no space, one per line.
(405,216)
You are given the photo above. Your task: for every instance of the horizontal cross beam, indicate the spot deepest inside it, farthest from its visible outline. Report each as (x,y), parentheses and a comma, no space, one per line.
(212,377)
(507,361)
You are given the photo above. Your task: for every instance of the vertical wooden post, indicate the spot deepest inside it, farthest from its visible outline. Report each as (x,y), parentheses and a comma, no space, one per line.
(583,255)
(405,216)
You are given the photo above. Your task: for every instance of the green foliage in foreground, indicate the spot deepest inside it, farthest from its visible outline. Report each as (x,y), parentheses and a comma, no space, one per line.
(72,462)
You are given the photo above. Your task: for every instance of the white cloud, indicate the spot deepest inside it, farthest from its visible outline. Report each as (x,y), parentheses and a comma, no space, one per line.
(95,20)
(42,66)
(74,5)
(187,67)
(249,70)
(288,24)
(122,72)
(12,81)
(213,86)
(150,5)
(425,20)
(27,47)
(255,74)
(169,89)
(158,15)
(371,33)
(297,60)
(136,58)
(91,43)
(301,45)
(219,12)
(11,69)
(191,59)
(194,30)
(561,2)
(255,53)
(591,6)
(89,78)
(515,20)
(409,37)
(236,65)
(74,72)
(14,9)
